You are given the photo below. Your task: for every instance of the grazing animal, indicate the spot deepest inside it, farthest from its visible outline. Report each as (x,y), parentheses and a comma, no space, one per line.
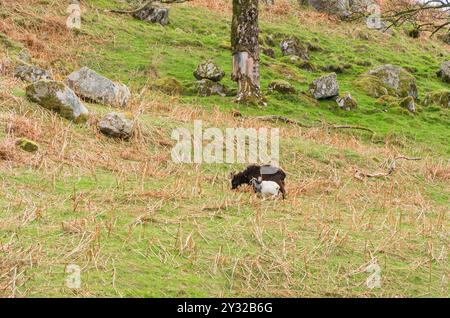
(266,172)
(266,188)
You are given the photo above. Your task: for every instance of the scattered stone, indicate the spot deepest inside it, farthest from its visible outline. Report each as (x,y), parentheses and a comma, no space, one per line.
(27,145)
(31,73)
(444,72)
(169,85)
(153,14)
(94,87)
(292,46)
(325,87)
(346,102)
(282,87)
(57,97)
(209,70)
(206,87)
(438,98)
(116,125)
(388,80)
(409,104)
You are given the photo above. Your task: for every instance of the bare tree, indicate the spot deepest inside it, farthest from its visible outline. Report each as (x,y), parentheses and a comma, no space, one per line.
(425,15)
(245,45)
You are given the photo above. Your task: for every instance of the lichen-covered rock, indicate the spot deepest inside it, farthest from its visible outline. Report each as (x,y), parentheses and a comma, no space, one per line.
(57,97)
(169,85)
(438,98)
(116,125)
(325,87)
(31,73)
(282,87)
(153,14)
(388,80)
(346,102)
(408,103)
(209,70)
(27,145)
(292,46)
(206,87)
(444,72)
(94,87)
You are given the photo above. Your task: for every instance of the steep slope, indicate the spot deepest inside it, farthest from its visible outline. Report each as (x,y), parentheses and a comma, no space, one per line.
(138,224)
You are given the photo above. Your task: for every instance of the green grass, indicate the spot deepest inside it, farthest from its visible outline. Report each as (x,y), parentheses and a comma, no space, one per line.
(199,238)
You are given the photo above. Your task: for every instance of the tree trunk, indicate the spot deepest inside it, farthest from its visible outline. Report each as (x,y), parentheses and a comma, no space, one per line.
(244,41)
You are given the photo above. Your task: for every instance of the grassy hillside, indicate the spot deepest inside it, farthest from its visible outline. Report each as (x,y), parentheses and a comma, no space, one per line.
(140,225)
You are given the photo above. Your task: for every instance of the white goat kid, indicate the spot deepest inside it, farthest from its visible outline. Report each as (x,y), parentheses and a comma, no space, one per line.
(266,188)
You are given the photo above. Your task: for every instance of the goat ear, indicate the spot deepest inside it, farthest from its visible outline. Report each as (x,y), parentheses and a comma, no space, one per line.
(259,179)
(231,175)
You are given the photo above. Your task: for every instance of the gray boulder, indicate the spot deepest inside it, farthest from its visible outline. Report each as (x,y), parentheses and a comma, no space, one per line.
(206,87)
(325,87)
(30,73)
(57,97)
(94,87)
(444,72)
(116,125)
(209,70)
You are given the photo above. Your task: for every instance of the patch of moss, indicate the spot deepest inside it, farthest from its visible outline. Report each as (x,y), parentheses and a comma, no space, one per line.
(373,86)
(169,85)
(27,145)
(438,98)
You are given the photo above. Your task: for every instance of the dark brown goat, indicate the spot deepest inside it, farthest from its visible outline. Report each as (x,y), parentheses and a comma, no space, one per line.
(266,172)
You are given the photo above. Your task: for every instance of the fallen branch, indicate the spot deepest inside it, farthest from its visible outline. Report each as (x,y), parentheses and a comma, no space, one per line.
(361,175)
(277,118)
(352,127)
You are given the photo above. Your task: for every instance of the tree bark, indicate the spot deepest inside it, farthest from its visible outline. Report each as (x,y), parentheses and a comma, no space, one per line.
(245,46)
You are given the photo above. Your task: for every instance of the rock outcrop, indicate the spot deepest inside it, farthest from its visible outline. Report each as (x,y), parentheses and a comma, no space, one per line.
(206,87)
(57,97)
(153,14)
(94,87)
(388,80)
